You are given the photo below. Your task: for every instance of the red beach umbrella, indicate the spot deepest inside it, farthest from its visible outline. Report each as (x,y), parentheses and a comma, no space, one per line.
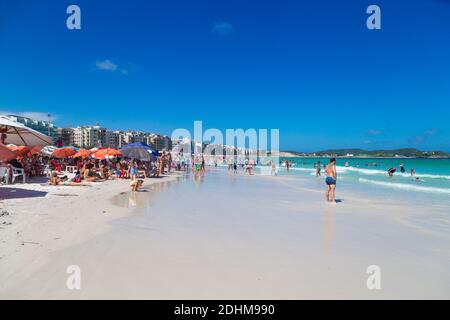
(63,153)
(34,150)
(107,153)
(82,153)
(19,150)
(6,154)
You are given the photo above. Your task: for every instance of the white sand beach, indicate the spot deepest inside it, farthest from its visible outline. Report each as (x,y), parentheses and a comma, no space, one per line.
(219,237)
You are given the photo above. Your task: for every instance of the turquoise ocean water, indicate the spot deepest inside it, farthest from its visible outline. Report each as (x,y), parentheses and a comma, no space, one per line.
(370,175)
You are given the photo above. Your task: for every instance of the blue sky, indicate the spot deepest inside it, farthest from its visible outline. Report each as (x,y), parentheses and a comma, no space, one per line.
(312,70)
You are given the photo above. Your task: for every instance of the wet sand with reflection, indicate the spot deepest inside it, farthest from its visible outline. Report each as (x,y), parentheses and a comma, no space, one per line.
(241,237)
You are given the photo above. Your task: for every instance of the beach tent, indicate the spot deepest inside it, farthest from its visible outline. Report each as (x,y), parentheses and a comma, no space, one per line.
(139,151)
(16,133)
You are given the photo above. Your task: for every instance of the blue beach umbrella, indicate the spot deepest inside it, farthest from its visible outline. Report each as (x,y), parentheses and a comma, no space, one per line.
(139,151)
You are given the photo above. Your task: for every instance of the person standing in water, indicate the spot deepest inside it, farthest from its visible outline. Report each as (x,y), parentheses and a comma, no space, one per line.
(330,171)
(318,168)
(287,165)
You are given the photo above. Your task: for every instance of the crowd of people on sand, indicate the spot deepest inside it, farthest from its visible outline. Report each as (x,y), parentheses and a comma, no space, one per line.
(82,171)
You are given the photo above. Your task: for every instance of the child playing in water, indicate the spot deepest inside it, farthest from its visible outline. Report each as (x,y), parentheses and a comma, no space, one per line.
(136,184)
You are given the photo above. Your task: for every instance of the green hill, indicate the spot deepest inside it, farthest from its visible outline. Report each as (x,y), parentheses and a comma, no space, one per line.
(405,152)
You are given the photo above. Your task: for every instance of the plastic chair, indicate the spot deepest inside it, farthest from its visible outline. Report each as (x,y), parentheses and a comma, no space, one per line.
(47,170)
(4,173)
(17,172)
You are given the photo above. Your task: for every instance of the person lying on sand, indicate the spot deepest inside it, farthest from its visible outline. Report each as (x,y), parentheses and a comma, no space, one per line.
(55,180)
(136,184)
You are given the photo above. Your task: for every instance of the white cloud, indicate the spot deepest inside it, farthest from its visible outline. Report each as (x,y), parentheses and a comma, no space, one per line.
(106,65)
(374,132)
(109,66)
(222,28)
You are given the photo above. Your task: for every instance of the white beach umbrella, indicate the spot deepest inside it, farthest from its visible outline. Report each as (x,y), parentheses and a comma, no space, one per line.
(21,135)
(48,150)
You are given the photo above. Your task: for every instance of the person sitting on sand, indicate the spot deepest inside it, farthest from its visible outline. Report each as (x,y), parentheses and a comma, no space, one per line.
(90,175)
(136,184)
(331,177)
(55,180)
(104,171)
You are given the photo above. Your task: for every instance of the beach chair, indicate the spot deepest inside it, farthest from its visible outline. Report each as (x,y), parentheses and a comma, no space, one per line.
(47,170)
(4,174)
(17,172)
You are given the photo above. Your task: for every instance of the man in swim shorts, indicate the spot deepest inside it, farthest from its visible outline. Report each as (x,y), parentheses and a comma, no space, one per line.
(331,177)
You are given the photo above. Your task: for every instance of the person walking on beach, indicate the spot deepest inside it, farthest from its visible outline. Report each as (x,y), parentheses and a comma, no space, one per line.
(318,169)
(274,169)
(331,177)
(169,162)
(202,165)
(133,171)
(162,162)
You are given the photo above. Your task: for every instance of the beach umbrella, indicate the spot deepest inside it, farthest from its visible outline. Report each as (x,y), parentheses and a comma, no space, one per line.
(19,134)
(107,153)
(34,150)
(19,150)
(48,150)
(139,151)
(63,153)
(82,153)
(70,147)
(6,154)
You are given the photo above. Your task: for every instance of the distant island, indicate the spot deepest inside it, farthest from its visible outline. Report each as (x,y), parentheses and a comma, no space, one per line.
(394,153)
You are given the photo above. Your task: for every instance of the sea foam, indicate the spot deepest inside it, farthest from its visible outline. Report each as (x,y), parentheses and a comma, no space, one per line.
(408,187)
